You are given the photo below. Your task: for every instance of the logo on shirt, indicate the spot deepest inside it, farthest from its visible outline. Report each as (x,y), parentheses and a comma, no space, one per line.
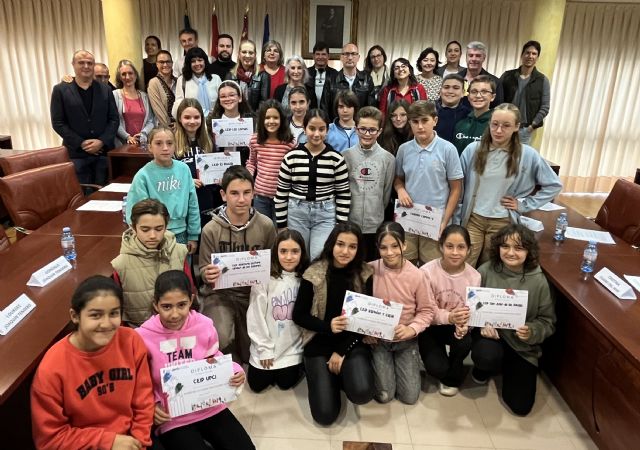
(103,385)
(367,175)
(170,184)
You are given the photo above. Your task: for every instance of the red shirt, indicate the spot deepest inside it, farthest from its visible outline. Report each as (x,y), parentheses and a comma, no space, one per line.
(415,92)
(133,114)
(276,80)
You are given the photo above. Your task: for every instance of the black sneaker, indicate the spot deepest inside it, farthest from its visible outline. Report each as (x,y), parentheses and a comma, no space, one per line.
(479,377)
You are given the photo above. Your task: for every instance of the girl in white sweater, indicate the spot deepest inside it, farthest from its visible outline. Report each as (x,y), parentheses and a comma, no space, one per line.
(276,342)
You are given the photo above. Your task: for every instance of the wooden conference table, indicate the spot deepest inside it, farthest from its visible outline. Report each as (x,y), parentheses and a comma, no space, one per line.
(593,359)
(125,161)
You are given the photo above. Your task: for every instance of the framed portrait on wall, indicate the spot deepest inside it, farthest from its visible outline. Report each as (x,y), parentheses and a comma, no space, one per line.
(334,22)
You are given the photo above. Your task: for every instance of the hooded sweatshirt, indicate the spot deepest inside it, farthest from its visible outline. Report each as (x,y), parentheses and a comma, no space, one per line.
(541,315)
(470,129)
(197,340)
(220,236)
(137,268)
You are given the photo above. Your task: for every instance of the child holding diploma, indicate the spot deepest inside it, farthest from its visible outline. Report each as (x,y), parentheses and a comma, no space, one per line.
(170,182)
(276,342)
(92,388)
(178,335)
(334,359)
(513,264)
(449,277)
(395,363)
(267,147)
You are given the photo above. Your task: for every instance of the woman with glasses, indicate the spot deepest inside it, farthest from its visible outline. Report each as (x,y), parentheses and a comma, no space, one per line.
(403,85)
(453,53)
(197,81)
(271,74)
(136,116)
(427,64)
(246,67)
(376,65)
(162,89)
(500,179)
(296,75)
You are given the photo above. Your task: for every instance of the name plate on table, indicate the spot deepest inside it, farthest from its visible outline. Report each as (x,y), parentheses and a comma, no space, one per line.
(14,313)
(211,166)
(50,272)
(532,224)
(371,316)
(232,132)
(615,284)
(197,385)
(500,308)
(422,220)
(242,268)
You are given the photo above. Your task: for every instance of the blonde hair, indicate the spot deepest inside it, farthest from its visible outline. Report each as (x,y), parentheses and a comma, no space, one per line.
(182,140)
(514,149)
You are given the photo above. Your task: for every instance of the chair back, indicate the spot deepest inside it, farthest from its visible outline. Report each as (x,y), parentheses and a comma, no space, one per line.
(35,196)
(4,240)
(620,212)
(32,159)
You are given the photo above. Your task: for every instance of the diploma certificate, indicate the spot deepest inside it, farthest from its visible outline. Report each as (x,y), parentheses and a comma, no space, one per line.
(370,315)
(232,132)
(211,166)
(422,220)
(500,308)
(242,268)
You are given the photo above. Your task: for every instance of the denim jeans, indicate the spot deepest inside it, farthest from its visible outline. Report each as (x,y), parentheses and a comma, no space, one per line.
(314,221)
(266,206)
(525,136)
(396,370)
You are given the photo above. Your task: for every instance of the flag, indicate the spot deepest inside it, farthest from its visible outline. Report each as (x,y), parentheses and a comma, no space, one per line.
(245,25)
(265,33)
(214,34)
(187,23)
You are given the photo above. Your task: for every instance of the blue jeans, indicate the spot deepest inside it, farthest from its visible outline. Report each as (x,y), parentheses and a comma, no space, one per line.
(314,221)
(266,206)
(525,136)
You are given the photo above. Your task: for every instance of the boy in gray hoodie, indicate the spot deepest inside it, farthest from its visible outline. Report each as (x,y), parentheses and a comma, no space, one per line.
(236,227)
(371,174)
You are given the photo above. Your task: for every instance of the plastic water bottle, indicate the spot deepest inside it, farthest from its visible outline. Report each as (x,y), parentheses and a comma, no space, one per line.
(561,228)
(68,243)
(143,141)
(124,209)
(589,259)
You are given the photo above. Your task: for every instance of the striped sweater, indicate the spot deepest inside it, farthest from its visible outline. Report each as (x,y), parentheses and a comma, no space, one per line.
(313,178)
(265,159)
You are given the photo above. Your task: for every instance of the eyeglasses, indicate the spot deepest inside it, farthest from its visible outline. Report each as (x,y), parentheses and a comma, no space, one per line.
(379,55)
(400,67)
(348,54)
(162,63)
(366,131)
(272,50)
(504,126)
(482,93)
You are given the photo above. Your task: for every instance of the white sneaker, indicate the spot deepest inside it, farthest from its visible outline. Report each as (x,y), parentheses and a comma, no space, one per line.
(448,391)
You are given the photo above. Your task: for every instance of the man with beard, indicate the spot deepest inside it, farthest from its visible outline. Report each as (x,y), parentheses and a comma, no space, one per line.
(223,65)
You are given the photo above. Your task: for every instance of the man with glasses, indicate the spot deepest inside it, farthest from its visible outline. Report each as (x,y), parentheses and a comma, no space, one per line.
(529,90)
(482,91)
(350,77)
(476,56)
(321,73)
(162,89)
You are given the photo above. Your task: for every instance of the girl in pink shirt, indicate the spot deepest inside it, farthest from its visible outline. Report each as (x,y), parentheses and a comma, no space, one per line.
(395,363)
(449,277)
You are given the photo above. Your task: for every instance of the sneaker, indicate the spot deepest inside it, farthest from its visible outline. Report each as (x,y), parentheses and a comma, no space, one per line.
(478,378)
(448,391)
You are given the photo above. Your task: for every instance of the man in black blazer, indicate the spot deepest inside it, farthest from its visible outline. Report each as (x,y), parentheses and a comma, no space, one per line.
(84,114)
(321,75)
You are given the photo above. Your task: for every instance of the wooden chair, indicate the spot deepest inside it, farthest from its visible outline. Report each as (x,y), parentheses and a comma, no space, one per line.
(32,159)
(4,240)
(620,212)
(35,196)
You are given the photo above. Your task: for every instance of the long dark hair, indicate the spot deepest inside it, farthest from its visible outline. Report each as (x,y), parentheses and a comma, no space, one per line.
(354,268)
(284,235)
(525,237)
(283,133)
(243,107)
(192,53)
(392,75)
(367,62)
(391,137)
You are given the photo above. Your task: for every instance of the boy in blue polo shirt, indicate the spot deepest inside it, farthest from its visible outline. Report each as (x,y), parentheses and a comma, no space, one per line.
(428,172)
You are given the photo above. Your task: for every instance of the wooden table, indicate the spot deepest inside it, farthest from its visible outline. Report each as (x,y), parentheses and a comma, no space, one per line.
(125,161)
(594,357)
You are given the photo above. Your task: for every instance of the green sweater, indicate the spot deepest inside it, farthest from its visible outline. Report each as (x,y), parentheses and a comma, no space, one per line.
(470,129)
(541,315)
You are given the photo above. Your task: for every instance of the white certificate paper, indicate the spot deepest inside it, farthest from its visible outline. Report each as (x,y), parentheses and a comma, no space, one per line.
(583,234)
(422,220)
(500,308)
(242,268)
(102,206)
(211,166)
(232,132)
(370,315)
(197,385)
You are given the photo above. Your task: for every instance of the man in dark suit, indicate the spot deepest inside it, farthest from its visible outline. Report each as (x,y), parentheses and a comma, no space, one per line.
(321,74)
(84,114)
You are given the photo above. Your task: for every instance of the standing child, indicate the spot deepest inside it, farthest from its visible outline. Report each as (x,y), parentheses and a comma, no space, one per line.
(428,172)
(371,172)
(342,132)
(299,105)
(276,342)
(92,388)
(449,277)
(147,250)
(515,353)
(170,182)
(334,358)
(395,363)
(313,186)
(179,335)
(267,148)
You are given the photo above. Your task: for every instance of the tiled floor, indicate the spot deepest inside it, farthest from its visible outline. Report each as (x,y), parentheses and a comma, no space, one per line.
(474,419)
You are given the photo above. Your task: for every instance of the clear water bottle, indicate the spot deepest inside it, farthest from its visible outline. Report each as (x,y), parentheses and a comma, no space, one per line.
(68,243)
(589,259)
(561,228)
(124,209)
(143,141)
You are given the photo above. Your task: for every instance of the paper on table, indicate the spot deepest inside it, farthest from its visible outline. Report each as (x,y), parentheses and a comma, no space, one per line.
(635,281)
(551,207)
(532,224)
(582,234)
(102,206)
(116,187)
(615,284)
